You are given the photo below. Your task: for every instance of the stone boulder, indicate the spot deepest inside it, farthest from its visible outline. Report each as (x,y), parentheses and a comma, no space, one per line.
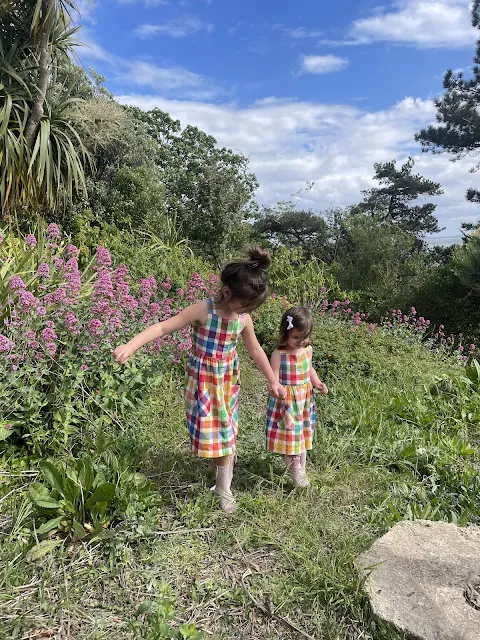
(424,578)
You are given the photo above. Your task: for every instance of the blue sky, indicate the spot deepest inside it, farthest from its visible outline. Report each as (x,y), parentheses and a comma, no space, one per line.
(310,90)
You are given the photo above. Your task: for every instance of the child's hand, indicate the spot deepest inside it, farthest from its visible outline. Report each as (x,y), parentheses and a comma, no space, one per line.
(123,353)
(322,387)
(276,390)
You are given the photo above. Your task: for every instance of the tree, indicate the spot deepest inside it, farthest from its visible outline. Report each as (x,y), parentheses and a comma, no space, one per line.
(392,201)
(458,113)
(42,155)
(208,190)
(286,227)
(379,260)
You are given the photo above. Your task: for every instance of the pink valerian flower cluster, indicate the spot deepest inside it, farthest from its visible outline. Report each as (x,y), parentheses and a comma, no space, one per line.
(43,270)
(53,231)
(31,241)
(73,277)
(103,257)
(16,283)
(72,324)
(72,251)
(148,288)
(213,285)
(6,345)
(49,338)
(195,287)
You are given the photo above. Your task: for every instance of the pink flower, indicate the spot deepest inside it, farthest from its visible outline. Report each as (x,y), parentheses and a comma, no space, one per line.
(371,327)
(72,251)
(5,344)
(48,335)
(413,311)
(95,327)
(1,238)
(31,241)
(41,312)
(71,324)
(57,297)
(53,231)
(27,301)
(16,283)
(43,270)
(84,367)
(167,284)
(103,257)
(472,347)
(58,263)
(7,426)
(72,276)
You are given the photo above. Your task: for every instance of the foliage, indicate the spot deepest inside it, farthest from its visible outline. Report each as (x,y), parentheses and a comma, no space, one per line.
(458,117)
(304,280)
(42,153)
(58,376)
(84,497)
(391,201)
(153,619)
(208,190)
(284,225)
(379,262)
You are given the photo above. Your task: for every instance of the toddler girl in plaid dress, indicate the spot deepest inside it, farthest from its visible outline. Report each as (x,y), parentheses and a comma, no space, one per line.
(213,373)
(291,421)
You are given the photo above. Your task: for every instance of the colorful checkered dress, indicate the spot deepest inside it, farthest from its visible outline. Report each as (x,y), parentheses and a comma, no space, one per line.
(291,421)
(213,385)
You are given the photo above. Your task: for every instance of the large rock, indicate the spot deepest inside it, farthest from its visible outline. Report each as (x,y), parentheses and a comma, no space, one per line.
(424,578)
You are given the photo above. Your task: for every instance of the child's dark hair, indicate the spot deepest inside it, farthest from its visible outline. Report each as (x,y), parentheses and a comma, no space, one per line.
(247,279)
(298,318)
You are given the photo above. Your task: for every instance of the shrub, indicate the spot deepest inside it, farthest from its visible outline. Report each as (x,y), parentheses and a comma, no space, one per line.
(58,375)
(307,282)
(83,498)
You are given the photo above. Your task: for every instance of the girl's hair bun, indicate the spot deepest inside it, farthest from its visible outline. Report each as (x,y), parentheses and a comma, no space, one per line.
(260,256)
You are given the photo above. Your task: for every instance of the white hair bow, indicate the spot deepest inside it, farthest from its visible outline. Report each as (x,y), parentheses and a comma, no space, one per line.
(290,323)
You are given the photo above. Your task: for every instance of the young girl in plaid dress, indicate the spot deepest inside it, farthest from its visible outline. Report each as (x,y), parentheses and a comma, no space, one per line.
(213,372)
(291,420)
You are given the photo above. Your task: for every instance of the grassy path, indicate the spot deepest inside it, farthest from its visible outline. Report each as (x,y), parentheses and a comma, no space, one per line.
(283,565)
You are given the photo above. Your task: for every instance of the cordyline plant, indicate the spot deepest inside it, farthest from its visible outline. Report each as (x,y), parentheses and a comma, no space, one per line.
(57,375)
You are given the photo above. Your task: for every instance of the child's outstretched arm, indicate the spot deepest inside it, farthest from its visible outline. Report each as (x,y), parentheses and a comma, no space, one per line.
(196,313)
(317,383)
(258,355)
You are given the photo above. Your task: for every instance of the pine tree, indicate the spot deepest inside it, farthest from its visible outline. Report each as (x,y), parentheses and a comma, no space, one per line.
(394,200)
(458,114)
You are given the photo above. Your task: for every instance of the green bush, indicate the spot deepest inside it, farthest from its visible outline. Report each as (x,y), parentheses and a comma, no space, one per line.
(83,498)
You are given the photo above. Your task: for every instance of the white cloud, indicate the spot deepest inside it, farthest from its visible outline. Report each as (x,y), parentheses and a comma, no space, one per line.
(174,28)
(420,23)
(335,146)
(322,64)
(172,81)
(297,32)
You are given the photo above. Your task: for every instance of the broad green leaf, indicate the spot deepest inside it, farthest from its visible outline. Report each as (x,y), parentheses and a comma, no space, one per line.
(79,530)
(86,473)
(5,433)
(103,493)
(41,496)
(52,476)
(50,525)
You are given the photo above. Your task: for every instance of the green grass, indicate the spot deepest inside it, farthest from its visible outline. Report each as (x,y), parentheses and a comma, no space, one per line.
(385,448)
